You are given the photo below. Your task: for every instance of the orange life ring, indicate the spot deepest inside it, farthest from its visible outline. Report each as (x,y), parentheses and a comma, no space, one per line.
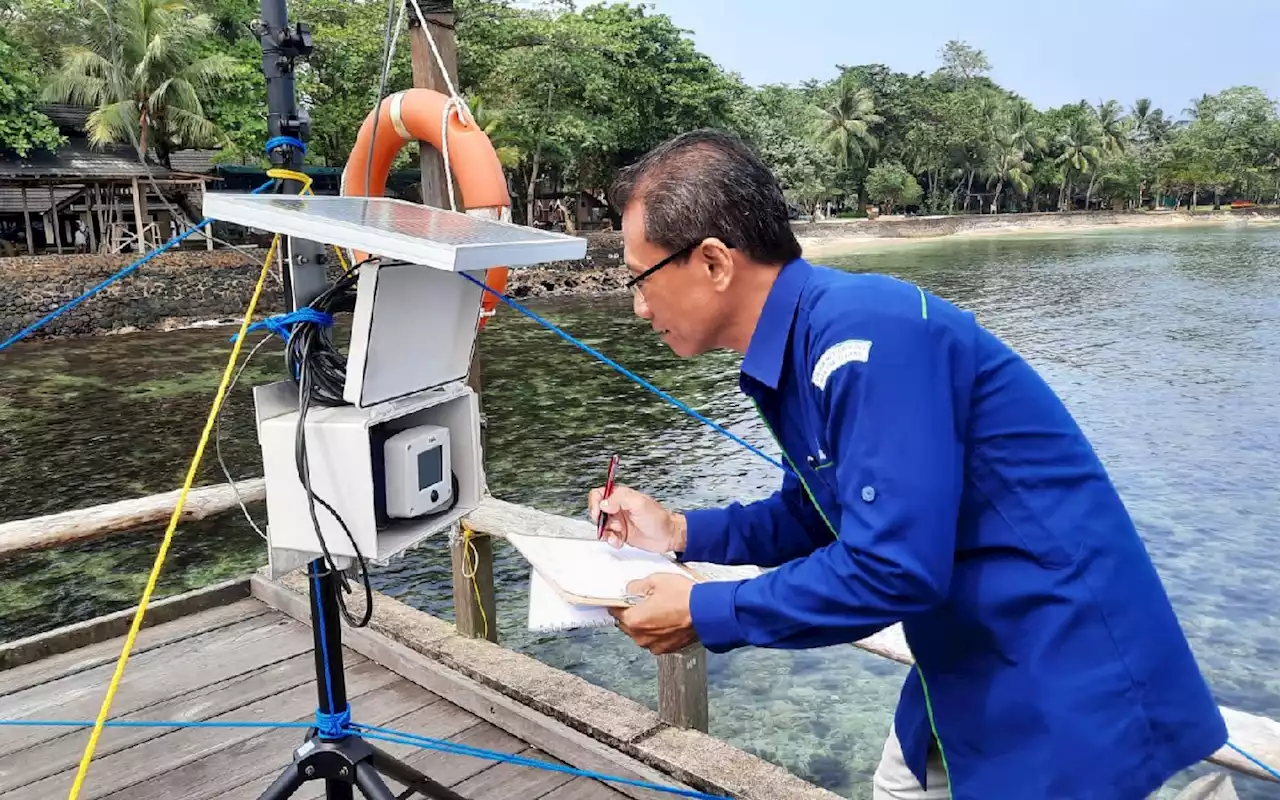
(416,114)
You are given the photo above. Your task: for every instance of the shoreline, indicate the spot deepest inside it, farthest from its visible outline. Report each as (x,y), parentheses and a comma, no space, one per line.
(848,236)
(195,288)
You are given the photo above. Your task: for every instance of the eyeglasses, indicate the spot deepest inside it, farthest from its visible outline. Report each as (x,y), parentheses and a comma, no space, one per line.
(634,283)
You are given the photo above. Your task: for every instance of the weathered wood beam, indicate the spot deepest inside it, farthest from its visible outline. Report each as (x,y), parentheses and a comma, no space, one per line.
(81,635)
(26,219)
(81,524)
(475,604)
(682,689)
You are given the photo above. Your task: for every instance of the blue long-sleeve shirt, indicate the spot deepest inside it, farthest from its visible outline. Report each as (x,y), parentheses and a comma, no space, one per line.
(935,480)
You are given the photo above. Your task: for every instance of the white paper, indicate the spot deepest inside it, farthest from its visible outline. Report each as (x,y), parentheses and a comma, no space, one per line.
(591,568)
(548,611)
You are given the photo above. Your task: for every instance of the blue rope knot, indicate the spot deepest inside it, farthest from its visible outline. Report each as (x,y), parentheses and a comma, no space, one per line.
(334,726)
(276,142)
(281,324)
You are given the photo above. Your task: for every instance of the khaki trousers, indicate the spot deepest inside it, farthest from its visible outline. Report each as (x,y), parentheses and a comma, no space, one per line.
(893,781)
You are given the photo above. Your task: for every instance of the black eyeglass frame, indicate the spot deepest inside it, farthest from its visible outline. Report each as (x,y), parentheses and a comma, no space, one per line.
(682,252)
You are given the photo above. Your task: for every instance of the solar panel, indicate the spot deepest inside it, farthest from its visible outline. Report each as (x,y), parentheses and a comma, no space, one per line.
(397,229)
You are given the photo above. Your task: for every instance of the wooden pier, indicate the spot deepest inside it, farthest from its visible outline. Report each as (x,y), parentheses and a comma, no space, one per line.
(242,651)
(241,661)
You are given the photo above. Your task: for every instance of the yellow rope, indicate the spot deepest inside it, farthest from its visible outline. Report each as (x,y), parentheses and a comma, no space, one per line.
(470,565)
(173,524)
(305,179)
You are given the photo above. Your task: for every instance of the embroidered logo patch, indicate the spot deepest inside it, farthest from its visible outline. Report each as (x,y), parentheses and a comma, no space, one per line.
(837,356)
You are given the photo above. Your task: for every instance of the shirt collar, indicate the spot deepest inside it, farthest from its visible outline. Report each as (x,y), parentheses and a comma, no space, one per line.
(767,351)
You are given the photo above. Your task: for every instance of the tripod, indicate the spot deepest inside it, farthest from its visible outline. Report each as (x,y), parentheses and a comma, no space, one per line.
(340,758)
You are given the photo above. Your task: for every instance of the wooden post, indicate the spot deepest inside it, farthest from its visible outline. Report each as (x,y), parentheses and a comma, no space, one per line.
(472,611)
(426,74)
(139,220)
(89,193)
(207,232)
(474,605)
(682,688)
(53,218)
(26,218)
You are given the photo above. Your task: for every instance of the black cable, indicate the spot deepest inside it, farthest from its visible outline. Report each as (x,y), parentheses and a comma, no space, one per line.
(311,346)
(319,371)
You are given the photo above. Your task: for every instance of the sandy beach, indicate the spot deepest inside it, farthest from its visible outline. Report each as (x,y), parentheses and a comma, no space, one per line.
(830,237)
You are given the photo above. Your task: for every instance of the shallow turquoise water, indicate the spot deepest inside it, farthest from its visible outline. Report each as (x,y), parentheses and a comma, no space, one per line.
(1165,345)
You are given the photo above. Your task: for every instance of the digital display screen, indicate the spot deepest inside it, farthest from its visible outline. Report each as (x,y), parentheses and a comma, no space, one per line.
(430,467)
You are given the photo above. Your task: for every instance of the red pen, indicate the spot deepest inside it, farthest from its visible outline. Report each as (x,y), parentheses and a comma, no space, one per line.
(608,490)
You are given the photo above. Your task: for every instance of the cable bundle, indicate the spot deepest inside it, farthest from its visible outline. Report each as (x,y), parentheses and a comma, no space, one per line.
(311,355)
(320,372)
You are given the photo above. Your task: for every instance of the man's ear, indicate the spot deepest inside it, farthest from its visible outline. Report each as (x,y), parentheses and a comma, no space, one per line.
(718,260)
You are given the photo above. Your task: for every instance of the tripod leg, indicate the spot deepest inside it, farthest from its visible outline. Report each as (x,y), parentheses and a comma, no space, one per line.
(371,785)
(284,786)
(397,770)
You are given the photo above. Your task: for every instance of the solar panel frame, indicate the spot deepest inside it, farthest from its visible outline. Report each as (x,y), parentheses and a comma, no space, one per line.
(398,229)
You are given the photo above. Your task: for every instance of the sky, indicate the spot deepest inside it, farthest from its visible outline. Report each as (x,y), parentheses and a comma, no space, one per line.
(1168,50)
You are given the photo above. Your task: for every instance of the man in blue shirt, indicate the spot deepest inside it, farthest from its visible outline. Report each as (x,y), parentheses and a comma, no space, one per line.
(932,479)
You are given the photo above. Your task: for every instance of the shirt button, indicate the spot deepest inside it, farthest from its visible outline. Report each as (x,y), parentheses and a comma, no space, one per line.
(868,493)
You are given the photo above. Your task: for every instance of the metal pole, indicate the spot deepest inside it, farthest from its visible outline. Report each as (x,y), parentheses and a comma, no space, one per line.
(281,47)
(326,630)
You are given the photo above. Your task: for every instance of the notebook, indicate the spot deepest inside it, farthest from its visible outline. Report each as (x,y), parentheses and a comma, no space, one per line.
(548,611)
(591,572)
(574,581)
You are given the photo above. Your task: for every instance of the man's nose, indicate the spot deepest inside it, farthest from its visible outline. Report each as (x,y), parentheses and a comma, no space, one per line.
(640,306)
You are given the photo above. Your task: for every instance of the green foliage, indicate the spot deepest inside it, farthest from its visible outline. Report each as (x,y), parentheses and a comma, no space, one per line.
(890,184)
(582,93)
(568,95)
(22,127)
(767,120)
(141,66)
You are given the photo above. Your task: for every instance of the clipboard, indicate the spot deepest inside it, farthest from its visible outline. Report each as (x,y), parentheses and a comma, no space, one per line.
(588,572)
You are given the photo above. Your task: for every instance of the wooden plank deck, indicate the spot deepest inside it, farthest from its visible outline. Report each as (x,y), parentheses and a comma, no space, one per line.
(241,661)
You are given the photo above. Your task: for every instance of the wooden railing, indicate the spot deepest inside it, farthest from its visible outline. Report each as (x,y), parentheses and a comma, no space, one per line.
(682,677)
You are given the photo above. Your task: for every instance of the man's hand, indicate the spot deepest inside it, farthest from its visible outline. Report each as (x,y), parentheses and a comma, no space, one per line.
(638,520)
(661,622)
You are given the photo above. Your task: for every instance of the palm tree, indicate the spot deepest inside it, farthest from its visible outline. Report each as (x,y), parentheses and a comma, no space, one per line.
(1149,123)
(1007,164)
(1114,128)
(142,71)
(843,128)
(1081,152)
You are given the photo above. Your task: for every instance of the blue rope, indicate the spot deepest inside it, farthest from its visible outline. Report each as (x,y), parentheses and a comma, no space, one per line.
(333,726)
(1269,770)
(370,732)
(622,370)
(281,324)
(285,141)
(46,319)
(428,743)
(344,726)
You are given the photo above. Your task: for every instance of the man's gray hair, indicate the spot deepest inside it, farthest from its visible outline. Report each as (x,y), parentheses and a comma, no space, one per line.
(709,183)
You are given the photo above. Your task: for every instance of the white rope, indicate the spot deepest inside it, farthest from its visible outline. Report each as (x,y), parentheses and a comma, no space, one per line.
(455,101)
(444,148)
(431,40)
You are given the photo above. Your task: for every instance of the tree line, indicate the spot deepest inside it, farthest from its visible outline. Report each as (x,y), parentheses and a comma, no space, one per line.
(568,95)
